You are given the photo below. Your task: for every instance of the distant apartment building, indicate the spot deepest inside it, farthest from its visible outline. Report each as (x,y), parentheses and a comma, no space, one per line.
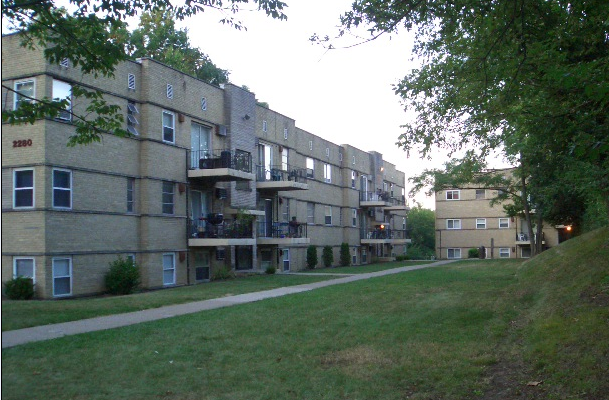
(466,220)
(208,180)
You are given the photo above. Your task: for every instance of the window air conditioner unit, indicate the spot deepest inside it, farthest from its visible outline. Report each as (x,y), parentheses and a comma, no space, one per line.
(221,130)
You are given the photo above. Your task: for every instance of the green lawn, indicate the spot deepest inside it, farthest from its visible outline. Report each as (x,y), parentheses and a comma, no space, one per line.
(470,330)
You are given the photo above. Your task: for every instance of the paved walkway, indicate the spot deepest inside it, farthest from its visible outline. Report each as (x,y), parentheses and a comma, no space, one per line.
(47,332)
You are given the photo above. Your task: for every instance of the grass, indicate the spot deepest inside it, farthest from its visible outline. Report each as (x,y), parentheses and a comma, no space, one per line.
(24,314)
(363,269)
(470,330)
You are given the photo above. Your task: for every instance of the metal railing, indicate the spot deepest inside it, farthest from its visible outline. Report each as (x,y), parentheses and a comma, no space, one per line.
(202,229)
(381,196)
(385,234)
(280,173)
(524,237)
(212,159)
(281,229)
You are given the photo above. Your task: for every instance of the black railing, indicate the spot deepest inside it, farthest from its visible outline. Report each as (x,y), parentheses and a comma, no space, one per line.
(280,173)
(203,229)
(212,159)
(282,230)
(381,196)
(524,237)
(385,234)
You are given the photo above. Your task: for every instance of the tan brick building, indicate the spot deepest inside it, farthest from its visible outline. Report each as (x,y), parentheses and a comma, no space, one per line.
(179,195)
(466,220)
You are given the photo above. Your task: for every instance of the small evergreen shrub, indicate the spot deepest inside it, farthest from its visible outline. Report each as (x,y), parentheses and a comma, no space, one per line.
(270,270)
(123,277)
(19,288)
(473,253)
(327,256)
(311,257)
(223,273)
(402,257)
(345,255)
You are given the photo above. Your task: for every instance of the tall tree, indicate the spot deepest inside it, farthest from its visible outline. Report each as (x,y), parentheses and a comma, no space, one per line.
(422,229)
(92,37)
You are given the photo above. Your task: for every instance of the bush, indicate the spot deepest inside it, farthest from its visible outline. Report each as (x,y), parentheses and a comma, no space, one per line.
(345,255)
(311,257)
(473,253)
(418,252)
(123,277)
(402,257)
(222,274)
(270,270)
(327,256)
(19,288)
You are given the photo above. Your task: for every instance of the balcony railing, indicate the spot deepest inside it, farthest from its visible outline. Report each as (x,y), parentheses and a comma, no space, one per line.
(203,229)
(382,196)
(524,237)
(206,159)
(385,234)
(280,173)
(282,230)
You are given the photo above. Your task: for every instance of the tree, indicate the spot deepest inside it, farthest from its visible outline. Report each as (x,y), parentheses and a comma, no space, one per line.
(92,37)
(327,256)
(529,78)
(422,227)
(157,37)
(345,255)
(311,257)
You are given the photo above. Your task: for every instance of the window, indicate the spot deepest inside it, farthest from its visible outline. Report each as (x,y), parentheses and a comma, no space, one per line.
(327,173)
(264,127)
(132,121)
(169,269)
(403,223)
(453,224)
(453,253)
(480,194)
(284,159)
(340,156)
(504,223)
(354,257)
(130,194)
(353,217)
(23,91)
(480,223)
(328,219)
(168,198)
(62,188)
(504,252)
(23,188)
(310,145)
(64,63)
(25,267)
(130,257)
(310,168)
(310,213)
(285,133)
(130,81)
(453,194)
(62,276)
(203,104)
(353,179)
(327,152)
(63,91)
(168,127)
(169,91)
(353,162)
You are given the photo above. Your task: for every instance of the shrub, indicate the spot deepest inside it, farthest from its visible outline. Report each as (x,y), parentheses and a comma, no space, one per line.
(327,256)
(270,270)
(19,288)
(222,274)
(123,277)
(402,257)
(311,257)
(473,253)
(418,252)
(345,255)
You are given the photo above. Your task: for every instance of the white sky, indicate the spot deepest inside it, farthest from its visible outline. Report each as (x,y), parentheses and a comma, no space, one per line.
(344,95)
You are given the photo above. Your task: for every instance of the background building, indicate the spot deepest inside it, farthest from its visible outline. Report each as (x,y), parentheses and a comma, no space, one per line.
(208,180)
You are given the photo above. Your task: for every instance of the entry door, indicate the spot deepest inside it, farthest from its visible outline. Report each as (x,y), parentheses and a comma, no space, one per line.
(200,143)
(202,266)
(265,158)
(286,259)
(199,206)
(268,218)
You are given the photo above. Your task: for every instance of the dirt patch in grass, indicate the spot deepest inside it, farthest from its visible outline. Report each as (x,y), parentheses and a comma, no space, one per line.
(509,380)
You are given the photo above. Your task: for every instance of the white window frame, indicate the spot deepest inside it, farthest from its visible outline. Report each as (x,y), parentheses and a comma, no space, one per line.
(310,166)
(352,179)
(169,91)
(16,259)
(480,223)
(354,217)
(454,221)
(131,81)
(64,63)
(173,200)
(328,214)
(17,94)
(503,251)
(327,173)
(310,213)
(310,145)
(450,195)
(54,277)
(264,126)
(507,220)
(172,268)
(58,84)
(353,161)
(284,158)
(172,127)
(328,152)
(203,104)
(456,253)
(62,188)
(285,133)
(32,188)
(132,122)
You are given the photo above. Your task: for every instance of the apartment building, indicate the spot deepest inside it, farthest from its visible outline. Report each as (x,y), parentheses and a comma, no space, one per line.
(465,219)
(208,180)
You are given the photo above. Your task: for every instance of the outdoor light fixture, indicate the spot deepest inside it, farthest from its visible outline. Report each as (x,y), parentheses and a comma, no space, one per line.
(568,228)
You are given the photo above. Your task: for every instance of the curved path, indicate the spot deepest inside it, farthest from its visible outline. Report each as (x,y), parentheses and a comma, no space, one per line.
(47,332)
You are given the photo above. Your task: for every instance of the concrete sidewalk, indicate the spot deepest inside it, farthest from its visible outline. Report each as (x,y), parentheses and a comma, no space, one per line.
(47,332)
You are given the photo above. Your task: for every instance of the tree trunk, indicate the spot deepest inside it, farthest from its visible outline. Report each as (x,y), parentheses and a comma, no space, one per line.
(527,215)
(539,236)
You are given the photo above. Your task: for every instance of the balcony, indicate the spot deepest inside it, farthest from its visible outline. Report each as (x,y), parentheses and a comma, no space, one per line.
(220,165)
(204,233)
(280,179)
(282,233)
(523,239)
(380,236)
(383,200)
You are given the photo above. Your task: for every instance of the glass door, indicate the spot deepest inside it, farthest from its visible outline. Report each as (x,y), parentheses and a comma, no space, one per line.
(200,144)
(202,266)
(286,259)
